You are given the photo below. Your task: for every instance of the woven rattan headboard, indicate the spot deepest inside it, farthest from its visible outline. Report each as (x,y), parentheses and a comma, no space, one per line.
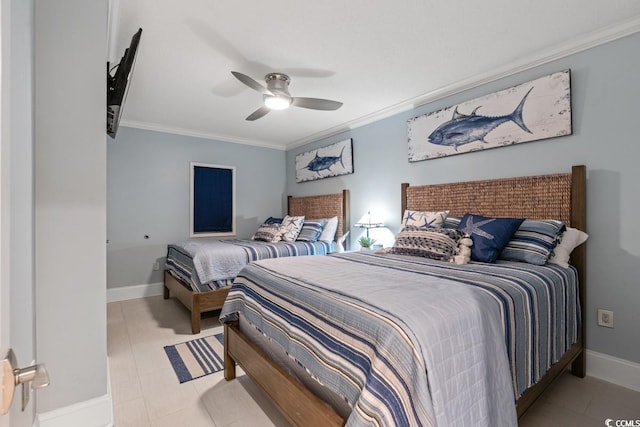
(323,206)
(557,196)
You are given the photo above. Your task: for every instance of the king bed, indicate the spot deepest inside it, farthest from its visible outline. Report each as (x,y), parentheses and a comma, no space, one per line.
(392,339)
(199,272)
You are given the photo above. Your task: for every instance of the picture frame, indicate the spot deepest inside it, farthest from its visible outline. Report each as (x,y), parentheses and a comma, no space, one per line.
(331,160)
(532,111)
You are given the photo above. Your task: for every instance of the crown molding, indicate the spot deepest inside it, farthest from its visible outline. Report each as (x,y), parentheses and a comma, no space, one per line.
(576,45)
(205,135)
(570,47)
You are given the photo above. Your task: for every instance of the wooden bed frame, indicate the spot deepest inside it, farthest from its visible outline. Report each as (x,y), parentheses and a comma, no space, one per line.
(557,196)
(321,206)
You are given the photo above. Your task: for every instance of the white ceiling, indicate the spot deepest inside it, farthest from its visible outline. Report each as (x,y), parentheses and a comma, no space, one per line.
(377,57)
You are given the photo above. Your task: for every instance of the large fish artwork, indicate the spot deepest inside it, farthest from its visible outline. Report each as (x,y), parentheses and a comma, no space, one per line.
(463,129)
(531,111)
(331,160)
(325,162)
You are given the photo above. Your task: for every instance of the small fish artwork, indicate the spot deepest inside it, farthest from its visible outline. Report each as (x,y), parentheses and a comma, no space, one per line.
(536,110)
(331,160)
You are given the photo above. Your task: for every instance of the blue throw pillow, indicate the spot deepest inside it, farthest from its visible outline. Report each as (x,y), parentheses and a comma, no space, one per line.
(273,220)
(489,235)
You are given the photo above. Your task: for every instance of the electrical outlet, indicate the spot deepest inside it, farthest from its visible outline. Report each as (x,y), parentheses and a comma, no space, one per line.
(605,318)
(156,266)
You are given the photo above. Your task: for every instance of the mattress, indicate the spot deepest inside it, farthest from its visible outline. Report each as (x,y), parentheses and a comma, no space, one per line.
(410,341)
(209,264)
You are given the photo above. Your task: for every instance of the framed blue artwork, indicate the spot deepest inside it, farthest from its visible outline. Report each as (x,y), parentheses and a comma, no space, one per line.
(332,160)
(532,111)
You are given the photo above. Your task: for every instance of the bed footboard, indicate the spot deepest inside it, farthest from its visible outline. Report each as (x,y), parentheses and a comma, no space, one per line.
(295,402)
(196,302)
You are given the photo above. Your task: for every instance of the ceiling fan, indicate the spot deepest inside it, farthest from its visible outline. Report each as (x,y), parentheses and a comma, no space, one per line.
(276,95)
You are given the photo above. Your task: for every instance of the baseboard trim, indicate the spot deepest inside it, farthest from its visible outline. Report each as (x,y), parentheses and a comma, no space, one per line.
(133,292)
(96,412)
(614,370)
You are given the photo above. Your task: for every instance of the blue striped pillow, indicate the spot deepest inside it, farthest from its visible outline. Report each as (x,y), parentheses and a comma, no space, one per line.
(451,222)
(534,241)
(273,220)
(311,230)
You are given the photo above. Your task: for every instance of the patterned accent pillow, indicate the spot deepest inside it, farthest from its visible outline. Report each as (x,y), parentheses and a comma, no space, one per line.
(434,243)
(533,241)
(423,219)
(290,228)
(311,230)
(489,235)
(267,233)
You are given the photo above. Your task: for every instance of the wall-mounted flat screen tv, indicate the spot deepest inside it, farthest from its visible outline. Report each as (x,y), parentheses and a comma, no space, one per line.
(118,82)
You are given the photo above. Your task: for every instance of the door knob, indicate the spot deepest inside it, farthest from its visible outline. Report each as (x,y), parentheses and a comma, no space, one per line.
(35,376)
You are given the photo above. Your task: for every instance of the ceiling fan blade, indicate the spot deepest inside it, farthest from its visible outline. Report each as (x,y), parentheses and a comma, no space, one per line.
(251,83)
(258,113)
(316,103)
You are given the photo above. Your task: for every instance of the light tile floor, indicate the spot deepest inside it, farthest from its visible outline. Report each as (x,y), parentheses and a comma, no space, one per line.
(146,391)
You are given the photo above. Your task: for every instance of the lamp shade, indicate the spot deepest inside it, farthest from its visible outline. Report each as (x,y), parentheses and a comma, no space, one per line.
(369,221)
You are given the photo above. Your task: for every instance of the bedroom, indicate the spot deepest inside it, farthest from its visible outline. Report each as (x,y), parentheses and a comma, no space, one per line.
(604,93)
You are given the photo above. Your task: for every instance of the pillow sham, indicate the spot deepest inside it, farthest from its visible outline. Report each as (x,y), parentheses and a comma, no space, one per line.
(329,231)
(290,228)
(267,233)
(272,220)
(533,241)
(434,243)
(489,235)
(570,239)
(424,219)
(311,230)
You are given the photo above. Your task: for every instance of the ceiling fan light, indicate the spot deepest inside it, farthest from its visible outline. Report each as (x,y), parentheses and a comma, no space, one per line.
(277,102)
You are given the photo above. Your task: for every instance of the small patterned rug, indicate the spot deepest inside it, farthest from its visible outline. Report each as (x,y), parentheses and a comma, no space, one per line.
(197,358)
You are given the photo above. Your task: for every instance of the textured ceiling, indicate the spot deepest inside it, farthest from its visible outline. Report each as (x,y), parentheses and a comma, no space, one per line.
(377,57)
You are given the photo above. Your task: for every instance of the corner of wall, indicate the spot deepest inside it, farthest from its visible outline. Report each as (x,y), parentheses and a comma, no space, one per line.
(614,370)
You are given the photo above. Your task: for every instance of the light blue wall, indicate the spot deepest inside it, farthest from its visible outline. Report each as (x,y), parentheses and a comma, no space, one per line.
(605,98)
(70,206)
(148,194)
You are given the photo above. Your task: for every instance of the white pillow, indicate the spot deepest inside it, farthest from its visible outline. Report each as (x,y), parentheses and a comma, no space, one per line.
(423,219)
(570,239)
(329,230)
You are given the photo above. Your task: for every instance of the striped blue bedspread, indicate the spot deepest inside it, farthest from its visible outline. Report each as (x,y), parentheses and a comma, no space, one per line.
(408,341)
(207,264)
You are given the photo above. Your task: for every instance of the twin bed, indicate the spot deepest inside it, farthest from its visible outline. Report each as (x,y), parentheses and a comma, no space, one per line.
(199,272)
(385,339)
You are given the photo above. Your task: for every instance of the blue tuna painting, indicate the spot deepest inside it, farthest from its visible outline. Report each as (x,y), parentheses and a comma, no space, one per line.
(531,111)
(332,160)
(321,163)
(465,128)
